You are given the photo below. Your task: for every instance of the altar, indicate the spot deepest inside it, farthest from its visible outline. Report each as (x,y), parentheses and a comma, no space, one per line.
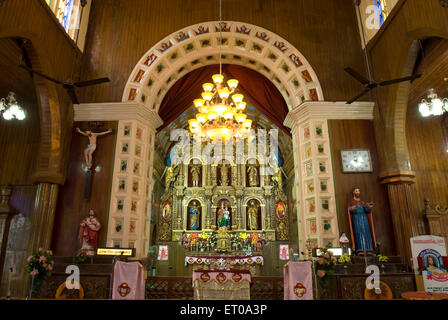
(228,284)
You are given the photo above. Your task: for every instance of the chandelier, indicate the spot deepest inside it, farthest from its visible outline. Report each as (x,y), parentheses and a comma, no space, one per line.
(434,106)
(220,111)
(221,108)
(10,108)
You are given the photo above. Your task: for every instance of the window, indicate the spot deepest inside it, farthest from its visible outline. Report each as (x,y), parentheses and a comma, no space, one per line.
(373,15)
(68,13)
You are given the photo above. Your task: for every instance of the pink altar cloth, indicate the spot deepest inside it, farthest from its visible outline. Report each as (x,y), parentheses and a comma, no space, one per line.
(298,281)
(129,283)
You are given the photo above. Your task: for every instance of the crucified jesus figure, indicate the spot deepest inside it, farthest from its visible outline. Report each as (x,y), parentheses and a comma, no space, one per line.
(88,152)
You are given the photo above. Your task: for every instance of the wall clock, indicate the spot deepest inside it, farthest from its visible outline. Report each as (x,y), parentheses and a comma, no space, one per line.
(356,160)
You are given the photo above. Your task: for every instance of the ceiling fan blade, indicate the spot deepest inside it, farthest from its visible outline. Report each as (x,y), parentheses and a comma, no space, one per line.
(93,82)
(41,74)
(357,76)
(358,96)
(71,92)
(389,82)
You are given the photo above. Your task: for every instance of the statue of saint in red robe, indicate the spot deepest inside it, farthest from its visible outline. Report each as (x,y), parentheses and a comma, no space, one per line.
(88,233)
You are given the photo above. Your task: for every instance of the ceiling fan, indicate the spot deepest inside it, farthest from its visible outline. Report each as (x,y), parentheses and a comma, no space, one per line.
(369,83)
(69,85)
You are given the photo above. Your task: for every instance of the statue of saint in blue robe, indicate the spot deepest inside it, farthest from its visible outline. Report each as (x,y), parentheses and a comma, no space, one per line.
(361,227)
(194,218)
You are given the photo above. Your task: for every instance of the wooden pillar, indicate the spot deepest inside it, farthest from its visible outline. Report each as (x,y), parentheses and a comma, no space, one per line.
(6,214)
(43,216)
(404,218)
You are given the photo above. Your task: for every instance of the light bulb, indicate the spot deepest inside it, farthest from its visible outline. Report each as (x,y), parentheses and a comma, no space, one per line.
(228,115)
(212,115)
(224,93)
(247,124)
(232,83)
(201,118)
(242,105)
(437,107)
(219,109)
(207,96)
(207,86)
(240,117)
(237,98)
(424,109)
(218,78)
(198,103)
(203,109)
(193,123)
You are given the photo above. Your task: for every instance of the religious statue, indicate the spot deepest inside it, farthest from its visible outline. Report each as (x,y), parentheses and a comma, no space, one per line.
(253,216)
(344,242)
(195,174)
(194,216)
(277,178)
(171,173)
(253,176)
(88,233)
(91,147)
(224,175)
(224,216)
(361,223)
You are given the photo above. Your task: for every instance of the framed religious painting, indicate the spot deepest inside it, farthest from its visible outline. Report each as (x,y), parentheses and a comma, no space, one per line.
(163,253)
(356,161)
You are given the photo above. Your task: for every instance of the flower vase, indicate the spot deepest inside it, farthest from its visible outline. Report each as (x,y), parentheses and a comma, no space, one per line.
(323,282)
(383,268)
(345,268)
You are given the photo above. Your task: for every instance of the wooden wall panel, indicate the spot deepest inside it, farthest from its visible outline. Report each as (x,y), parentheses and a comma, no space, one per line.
(359,134)
(121,31)
(429,161)
(72,207)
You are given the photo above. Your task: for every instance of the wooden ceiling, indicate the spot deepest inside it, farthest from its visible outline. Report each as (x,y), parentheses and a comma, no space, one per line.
(433,65)
(13,78)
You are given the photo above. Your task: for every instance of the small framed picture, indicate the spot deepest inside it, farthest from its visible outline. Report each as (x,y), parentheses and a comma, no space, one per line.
(163,253)
(284,252)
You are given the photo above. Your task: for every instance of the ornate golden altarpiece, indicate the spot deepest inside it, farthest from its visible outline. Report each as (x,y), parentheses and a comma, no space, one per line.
(238,186)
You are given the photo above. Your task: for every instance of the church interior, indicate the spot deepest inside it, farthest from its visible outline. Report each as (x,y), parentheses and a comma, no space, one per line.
(263,150)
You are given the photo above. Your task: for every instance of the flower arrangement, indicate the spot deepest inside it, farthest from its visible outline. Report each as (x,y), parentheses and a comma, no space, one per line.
(382,258)
(39,266)
(345,258)
(324,267)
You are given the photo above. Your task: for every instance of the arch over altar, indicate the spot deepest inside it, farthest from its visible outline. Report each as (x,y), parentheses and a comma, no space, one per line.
(244,44)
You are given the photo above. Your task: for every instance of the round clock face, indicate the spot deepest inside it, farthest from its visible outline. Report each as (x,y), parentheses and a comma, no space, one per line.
(356,161)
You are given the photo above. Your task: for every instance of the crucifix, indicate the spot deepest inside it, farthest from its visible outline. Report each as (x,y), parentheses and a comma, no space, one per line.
(88,157)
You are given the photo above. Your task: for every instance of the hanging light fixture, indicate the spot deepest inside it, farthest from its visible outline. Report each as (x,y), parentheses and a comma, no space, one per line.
(220,108)
(10,108)
(434,106)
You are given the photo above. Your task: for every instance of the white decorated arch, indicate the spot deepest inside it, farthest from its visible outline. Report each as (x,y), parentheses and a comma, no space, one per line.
(243,44)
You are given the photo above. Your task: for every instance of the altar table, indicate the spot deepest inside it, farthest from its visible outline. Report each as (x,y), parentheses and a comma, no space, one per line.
(231,284)
(298,281)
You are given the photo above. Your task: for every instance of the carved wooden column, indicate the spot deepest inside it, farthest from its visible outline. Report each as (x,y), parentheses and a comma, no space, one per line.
(6,214)
(404,219)
(43,216)
(434,218)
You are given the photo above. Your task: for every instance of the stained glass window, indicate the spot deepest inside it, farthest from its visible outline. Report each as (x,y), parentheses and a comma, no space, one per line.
(382,8)
(68,13)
